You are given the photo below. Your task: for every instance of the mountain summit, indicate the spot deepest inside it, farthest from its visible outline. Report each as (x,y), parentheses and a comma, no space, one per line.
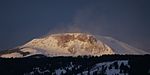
(72,44)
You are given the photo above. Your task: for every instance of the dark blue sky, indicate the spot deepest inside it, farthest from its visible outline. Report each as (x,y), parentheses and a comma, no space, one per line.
(125,20)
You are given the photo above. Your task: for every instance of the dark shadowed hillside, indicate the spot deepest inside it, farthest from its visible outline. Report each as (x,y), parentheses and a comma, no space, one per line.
(81,65)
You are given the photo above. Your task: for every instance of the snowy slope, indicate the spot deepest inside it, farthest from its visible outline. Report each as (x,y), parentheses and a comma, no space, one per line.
(120,67)
(110,68)
(120,47)
(73,44)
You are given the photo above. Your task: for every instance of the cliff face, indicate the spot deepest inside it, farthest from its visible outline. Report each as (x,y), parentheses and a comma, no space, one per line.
(79,41)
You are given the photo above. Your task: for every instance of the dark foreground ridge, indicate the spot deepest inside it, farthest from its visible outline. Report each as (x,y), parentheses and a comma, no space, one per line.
(81,65)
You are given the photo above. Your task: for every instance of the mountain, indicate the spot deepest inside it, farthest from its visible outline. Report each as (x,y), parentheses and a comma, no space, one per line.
(72,44)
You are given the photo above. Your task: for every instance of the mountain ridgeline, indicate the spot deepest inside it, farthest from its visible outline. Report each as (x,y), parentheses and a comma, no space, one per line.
(74,54)
(72,44)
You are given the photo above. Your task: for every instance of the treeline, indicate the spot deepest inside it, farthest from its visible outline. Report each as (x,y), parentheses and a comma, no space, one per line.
(139,64)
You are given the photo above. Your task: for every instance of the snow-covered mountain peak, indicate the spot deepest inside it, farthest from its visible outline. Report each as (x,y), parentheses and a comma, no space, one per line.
(73,44)
(70,44)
